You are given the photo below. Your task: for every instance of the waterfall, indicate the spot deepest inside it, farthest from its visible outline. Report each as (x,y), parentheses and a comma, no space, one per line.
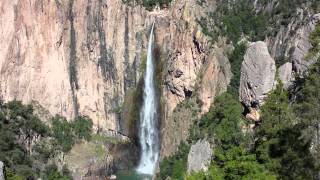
(149,140)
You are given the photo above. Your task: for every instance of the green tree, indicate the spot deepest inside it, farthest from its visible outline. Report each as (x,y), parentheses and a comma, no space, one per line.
(234,163)
(82,127)
(236,58)
(222,123)
(280,145)
(52,173)
(175,166)
(18,128)
(62,133)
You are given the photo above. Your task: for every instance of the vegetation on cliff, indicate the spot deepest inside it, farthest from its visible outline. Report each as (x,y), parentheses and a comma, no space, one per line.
(149,4)
(28,145)
(281,147)
(285,144)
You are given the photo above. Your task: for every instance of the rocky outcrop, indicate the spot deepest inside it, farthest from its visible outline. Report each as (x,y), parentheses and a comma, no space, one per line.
(292,42)
(1,171)
(285,74)
(302,46)
(258,72)
(199,156)
(102,156)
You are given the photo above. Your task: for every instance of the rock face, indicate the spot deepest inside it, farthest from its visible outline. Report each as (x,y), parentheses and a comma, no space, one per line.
(193,67)
(292,42)
(1,171)
(285,74)
(82,58)
(199,156)
(258,72)
(302,46)
(72,57)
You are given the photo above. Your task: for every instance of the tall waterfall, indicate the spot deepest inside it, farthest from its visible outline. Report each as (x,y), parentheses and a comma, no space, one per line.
(149,140)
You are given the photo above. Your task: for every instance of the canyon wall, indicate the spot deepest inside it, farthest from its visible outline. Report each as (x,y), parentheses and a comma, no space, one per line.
(73,57)
(82,57)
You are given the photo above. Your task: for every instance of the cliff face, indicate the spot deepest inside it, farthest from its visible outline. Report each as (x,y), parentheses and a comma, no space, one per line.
(83,56)
(73,57)
(192,69)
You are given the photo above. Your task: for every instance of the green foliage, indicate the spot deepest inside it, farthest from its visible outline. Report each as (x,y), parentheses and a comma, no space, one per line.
(282,11)
(62,133)
(131,113)
(238,163)
(231,160)
(235,59)
(276,113)
(175,166)
(284,146)
(315,42)
(280,145)
(214,172)
(235,19)
(82,127)
(149,4)
(143,63)
(10,175)
(307,108)
(240,19)
(67,133)
(222,123)
(18,127)
(26,143)
(52,173)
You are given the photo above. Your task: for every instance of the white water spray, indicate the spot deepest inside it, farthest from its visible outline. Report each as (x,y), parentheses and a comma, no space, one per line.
(149,140)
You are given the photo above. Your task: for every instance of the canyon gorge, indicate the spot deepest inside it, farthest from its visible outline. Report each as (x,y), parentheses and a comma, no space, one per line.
(90,58)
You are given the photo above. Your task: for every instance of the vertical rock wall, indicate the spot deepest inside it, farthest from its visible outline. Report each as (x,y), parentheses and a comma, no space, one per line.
(81,57)
(73,57)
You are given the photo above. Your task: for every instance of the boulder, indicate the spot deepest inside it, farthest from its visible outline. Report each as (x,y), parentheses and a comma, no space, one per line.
(258,73)
(285,75)
(199,156)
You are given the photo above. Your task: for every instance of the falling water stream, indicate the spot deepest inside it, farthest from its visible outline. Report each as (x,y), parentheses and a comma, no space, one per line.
(149,140)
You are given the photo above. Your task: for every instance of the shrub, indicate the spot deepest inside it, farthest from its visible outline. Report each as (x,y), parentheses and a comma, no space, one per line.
(82,127)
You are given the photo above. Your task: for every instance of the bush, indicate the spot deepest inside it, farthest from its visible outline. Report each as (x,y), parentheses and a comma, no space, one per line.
(82,127)
(52,173)
(62,133)
(235,59)
(175,166)
(149,4)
